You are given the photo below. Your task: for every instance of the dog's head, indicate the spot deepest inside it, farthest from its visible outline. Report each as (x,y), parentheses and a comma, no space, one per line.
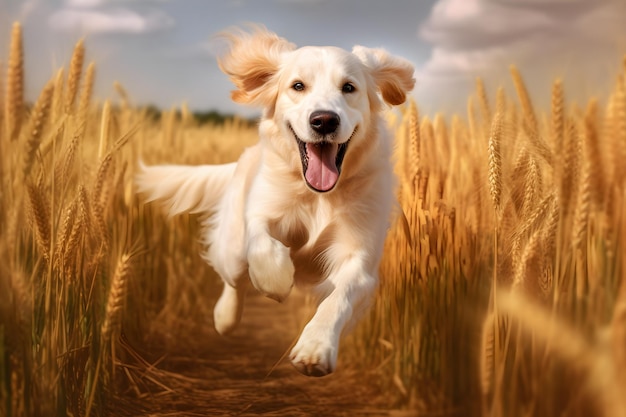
(321,99)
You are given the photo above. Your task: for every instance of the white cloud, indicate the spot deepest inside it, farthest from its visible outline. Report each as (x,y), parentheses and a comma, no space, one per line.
(543,37)
(84,3)
(301,1)
(96,3)
(109,21)
(462,24)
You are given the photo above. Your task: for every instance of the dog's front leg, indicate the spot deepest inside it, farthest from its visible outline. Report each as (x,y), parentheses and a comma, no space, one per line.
(351,288)
(270,266)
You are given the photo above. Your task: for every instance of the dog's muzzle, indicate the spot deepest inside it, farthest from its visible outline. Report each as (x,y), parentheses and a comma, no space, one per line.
(321,161)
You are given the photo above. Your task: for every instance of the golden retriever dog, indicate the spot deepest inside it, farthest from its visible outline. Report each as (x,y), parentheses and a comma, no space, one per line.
(310,204)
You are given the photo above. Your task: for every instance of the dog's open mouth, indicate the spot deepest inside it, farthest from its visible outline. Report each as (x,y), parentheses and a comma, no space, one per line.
(321,162)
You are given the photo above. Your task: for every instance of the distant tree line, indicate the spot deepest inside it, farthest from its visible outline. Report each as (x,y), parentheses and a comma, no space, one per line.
(201,117)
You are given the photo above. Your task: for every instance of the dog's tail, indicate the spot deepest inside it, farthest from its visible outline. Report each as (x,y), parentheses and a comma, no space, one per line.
(184,188)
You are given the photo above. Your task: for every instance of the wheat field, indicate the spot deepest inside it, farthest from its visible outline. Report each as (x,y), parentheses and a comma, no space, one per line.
(502,290)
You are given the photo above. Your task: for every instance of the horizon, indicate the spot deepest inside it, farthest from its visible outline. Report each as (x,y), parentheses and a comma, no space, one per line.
(161,52)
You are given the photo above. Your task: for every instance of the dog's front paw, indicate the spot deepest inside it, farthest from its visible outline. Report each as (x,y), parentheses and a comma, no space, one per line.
(315,354)
(270,267)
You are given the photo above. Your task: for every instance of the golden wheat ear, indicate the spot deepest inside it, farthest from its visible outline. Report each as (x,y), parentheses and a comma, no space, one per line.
(251,62)
(393,75)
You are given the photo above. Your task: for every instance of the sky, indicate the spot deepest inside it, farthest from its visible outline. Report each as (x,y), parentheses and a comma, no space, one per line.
(162,53)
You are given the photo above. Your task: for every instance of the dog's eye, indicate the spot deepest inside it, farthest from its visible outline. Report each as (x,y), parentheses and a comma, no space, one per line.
(348,88)
(298,86)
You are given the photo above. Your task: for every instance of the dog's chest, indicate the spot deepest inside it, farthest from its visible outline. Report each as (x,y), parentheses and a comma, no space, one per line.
(308,231)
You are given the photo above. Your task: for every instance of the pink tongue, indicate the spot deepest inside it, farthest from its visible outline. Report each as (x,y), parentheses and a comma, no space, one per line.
(321,171)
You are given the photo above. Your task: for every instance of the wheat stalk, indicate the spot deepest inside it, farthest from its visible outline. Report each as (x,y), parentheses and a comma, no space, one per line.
(57,99)
(14,103)
(495,156)
(618,141)
(66,165)
(427,135)
(106,166)
(186,116)
(550,221)
(581,211)
(537,142)
(471,118)
(121,91)
(485,109)
(84,209)
(414,146)
(513,115)
(115,300)
(64,233)
(74,75)
(570,165)
(539,213)
(105,128)
(550,229)
(532,186)
(597,171)
(36,125)
(72,231)
(558,117)
(530,263)
(528,171)
(530,120)
(442,142)
(524,98)
(533,220)
(85,94)
(518,177)
(40,217)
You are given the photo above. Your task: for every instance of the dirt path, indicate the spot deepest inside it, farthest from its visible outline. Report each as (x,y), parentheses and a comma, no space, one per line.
(229,377)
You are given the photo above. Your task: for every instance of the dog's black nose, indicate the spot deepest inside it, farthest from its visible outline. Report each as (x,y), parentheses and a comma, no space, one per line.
(324,122)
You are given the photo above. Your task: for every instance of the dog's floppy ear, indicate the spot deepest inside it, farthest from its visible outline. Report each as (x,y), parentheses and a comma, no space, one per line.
(252,60)
(393,75)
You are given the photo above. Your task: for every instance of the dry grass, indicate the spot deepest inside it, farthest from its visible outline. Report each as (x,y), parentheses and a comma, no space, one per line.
(14,101)
(503,290)
(74,239)
(512,311)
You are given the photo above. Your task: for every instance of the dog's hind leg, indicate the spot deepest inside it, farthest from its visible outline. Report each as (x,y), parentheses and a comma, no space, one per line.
(228,309)
(226,245)
(226,256)
(228,262)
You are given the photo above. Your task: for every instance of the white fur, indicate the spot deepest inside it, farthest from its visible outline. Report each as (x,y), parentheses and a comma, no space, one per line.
(264,225)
